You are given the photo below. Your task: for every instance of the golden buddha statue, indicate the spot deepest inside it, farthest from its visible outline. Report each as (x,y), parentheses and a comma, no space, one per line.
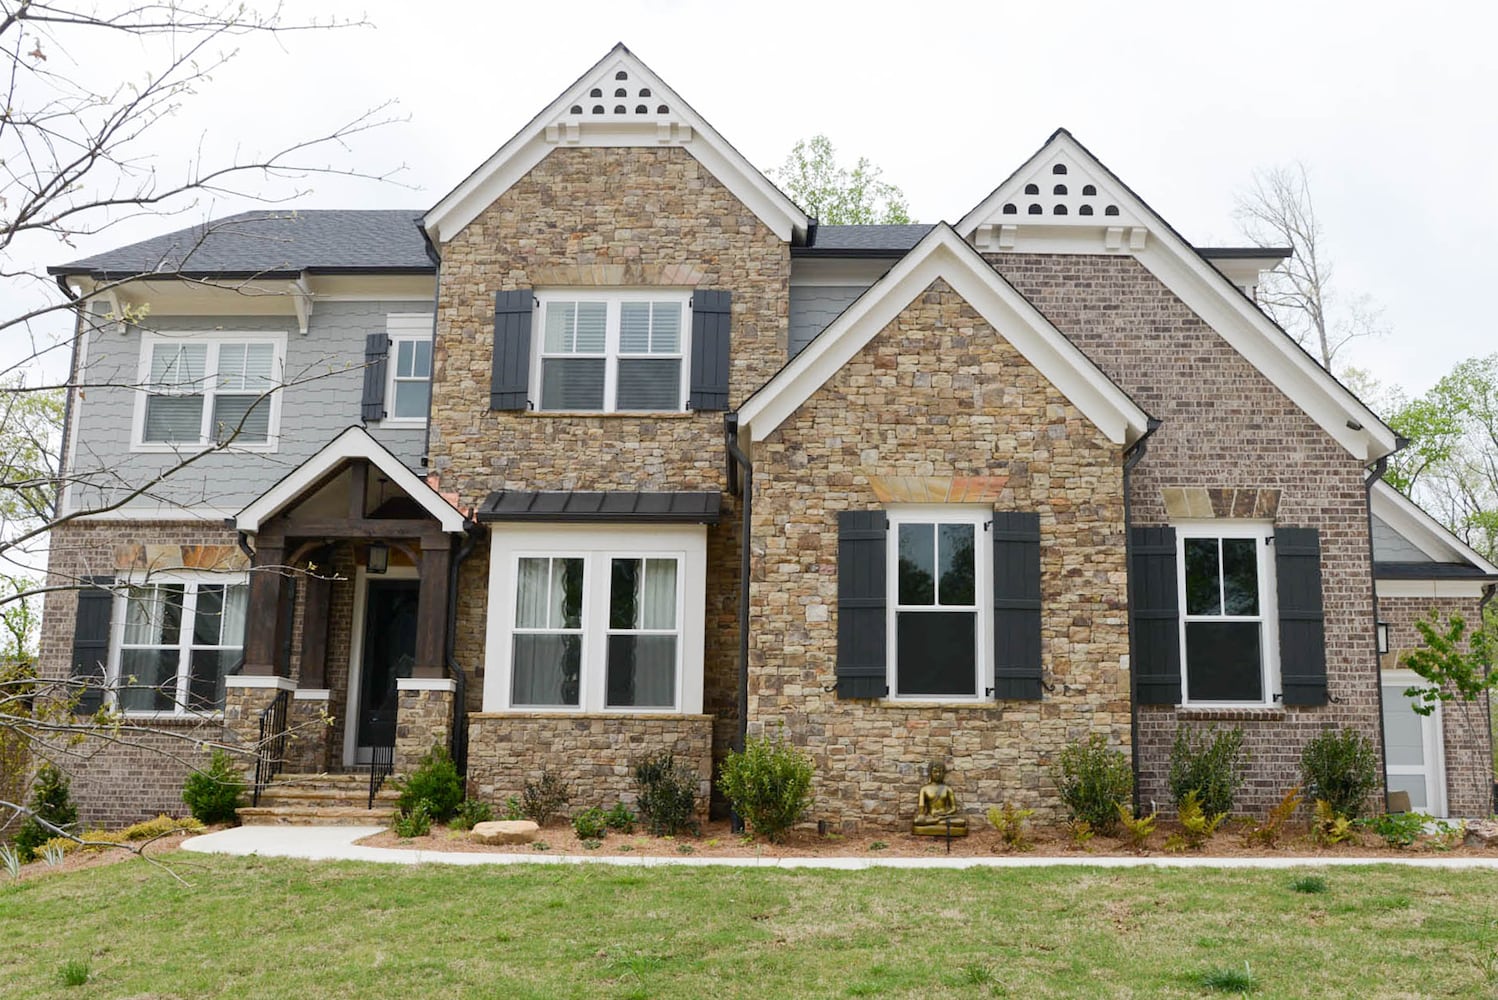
(937,811)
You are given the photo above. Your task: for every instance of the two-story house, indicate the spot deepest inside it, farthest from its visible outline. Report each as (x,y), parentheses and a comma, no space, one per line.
(615,450)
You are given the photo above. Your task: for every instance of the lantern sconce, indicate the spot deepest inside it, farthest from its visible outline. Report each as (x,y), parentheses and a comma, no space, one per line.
(1383,637)
(379,557)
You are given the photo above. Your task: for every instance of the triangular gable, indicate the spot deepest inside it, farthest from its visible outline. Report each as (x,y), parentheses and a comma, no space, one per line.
(353,444)
(1424,532)
(619,102)
(943,254)
(1043,221)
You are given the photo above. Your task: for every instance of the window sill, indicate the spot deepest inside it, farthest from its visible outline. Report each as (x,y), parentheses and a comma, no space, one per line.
(615,414)
(527,713)
(1230,713)
(401,423)
(193,447)
(986,704)
(173,718)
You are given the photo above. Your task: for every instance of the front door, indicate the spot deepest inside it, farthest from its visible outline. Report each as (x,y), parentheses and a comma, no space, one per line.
(389,651)
(1412,744)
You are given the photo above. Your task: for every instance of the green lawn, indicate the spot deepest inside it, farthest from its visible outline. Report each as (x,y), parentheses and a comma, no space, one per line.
(260,928)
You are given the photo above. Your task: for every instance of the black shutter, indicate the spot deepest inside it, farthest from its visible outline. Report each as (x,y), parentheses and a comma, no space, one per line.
(91,641)
(1297,568)
(376,360)
(710,320)
(511,374)
(861,622)
(1016,605)
(1155,616)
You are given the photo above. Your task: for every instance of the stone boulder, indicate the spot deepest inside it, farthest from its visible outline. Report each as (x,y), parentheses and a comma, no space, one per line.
(507,831)
(1482,833)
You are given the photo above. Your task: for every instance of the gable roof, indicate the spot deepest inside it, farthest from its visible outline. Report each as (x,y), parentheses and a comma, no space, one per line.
(273,243)
(945,255)
(353,443)
(618,102)
(1445,550)
(1045,220)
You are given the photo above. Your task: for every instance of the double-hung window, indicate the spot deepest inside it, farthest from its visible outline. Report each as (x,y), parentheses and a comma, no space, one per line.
(617,351)
(938,583)
(1228,639)
(198,391)
(410,366)
(177,639)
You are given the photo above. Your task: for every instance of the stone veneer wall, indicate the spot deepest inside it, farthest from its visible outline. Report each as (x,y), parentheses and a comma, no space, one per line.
(937,407)
(1465,728)
(594,755)
(604,217)
(1225,427)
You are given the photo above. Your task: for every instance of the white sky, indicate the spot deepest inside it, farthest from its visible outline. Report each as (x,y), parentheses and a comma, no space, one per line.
(1392,108)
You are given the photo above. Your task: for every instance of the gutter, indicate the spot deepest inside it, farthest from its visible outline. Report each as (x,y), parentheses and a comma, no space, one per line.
(738,462)
(1374,475)
(458,732)
(1132,458)
(79,304)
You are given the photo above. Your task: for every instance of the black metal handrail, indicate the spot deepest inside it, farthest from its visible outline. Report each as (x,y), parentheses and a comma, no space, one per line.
(270,752)
(381,766)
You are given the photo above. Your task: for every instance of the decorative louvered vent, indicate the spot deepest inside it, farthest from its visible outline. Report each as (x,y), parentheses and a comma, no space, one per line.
(618,95)
(1055,200)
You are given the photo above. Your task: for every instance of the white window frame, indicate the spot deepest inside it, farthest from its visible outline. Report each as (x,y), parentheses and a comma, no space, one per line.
(191,582)
(411,328)
(1268,616)
(214,341)
(613,298)
(597,546)
(981,518)
(1432,738)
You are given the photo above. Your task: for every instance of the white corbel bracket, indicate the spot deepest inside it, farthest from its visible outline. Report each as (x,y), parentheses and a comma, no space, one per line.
(301,300)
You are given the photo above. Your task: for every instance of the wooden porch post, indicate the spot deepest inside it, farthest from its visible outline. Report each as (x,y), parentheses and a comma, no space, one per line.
(431,621)
(263,625)
(315,630)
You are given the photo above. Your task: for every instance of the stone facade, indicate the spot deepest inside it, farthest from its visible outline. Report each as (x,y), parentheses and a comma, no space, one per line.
(938,406)
(594,755)
(1228,430)
(423,721)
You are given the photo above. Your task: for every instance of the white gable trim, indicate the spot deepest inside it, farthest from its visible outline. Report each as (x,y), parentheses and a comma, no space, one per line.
(557,126)
(1421,530)
(1200,286)
(943,254)
(354,443)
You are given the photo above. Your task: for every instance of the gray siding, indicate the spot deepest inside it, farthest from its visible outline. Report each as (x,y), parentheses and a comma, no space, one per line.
(812,307)
(1390,546)
(324,368)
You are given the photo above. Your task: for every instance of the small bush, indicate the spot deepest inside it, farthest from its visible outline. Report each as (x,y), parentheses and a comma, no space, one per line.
(213,795)
(1310,884)
(51,802)
(1010,822)
(162,825)
(1211,766)
(470,814)
(592,844)
(590,824)
(769,785)
(1341,769)
(620,819)
(1137,832)
(1229,980)
(52,853)
(63,844)
(74,972)
(1092,780)
(1080,832)
(543,798)
(878,845)
(514,809)
(667,795)
(1196,826)
(1329,826)
(1267,833)
(435,782)
(1397,829)
(416,822)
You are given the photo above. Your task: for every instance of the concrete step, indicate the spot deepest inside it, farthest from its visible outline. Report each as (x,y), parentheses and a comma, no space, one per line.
(296,794)
(316,816)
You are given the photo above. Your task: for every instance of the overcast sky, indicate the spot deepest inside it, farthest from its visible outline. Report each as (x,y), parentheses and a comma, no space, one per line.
(1392,108)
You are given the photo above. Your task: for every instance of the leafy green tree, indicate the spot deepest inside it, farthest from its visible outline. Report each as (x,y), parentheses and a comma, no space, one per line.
(835,195)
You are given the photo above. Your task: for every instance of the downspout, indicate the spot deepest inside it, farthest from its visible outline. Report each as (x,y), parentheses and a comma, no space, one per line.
(1132,458)
(79,304)
(458,732)
(1487,704)
(426,440)
(1374,475)
(744,490)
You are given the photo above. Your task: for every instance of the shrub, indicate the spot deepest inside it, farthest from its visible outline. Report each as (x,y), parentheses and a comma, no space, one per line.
(1397,829)
(1267,833)
(1328,826)
(212,796)
(590,824)
(513,809)
(543,798)
(769,785)
(435,782)
(51,802)
(417,822)
(470,814)
(1211,766)
(1080,832)
(1010,822)
(150,829)
(620,819)
(1093,780)
(1341,769)
(1137,832)
(667,795)
(1197,827)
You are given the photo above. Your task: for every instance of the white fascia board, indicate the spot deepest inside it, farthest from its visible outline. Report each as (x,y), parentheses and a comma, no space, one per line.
(681,126)
(943,254)
(353,443)
(1421,530)
(1431,589)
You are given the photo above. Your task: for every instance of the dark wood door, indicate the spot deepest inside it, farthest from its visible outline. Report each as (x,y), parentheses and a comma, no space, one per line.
(389,652)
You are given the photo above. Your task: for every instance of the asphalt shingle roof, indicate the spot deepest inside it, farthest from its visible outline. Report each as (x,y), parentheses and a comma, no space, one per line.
(833,241)
(273,242)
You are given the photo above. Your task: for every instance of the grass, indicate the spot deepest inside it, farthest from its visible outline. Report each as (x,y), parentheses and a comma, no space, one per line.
(1310,884)
(275,928)
(1229,980)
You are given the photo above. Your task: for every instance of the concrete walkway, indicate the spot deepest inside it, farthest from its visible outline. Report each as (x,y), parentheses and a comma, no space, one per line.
(336,843)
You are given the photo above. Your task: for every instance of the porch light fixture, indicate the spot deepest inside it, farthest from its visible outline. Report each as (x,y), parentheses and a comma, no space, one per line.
(379,557)
(1383,637)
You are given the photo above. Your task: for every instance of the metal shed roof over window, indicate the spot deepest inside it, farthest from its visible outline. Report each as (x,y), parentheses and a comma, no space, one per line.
(586,506)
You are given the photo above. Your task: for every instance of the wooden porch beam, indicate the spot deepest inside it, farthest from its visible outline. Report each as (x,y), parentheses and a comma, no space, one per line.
(364,528)
(431,607)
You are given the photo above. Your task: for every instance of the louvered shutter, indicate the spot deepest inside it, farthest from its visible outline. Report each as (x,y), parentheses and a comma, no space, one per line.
(1155,613)
(862,634)
(91,641)
(1297,570)
(510,376)
(1016,605)
(711,312)
(376,365)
